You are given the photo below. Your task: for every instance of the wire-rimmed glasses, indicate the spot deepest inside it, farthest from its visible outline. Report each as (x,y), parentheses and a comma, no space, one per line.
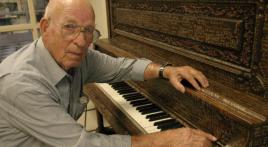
(72,31)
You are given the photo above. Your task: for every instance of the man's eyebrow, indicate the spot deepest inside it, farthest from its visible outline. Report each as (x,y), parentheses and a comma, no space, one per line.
(68,19)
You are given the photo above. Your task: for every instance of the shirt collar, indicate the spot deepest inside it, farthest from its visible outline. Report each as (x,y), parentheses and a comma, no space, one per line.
(50,67)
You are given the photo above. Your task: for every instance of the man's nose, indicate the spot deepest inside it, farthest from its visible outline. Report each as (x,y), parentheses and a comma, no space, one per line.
(81,39)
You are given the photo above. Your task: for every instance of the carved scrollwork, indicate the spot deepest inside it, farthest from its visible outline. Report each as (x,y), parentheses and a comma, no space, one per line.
(260,137)
(255,83)
(241,54)
(255,80)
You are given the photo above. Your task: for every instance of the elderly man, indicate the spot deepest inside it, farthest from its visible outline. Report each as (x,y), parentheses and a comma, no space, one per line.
(40,86)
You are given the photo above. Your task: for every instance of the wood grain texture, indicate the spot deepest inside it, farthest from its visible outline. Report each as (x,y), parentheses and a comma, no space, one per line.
(226,40)
(226,35)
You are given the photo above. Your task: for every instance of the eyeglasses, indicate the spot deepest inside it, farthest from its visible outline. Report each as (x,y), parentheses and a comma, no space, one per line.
(72,31)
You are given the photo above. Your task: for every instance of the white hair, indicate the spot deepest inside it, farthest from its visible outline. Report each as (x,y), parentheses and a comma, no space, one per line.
(56,5)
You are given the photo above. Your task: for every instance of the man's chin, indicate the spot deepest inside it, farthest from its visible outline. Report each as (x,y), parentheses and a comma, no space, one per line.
(70,65)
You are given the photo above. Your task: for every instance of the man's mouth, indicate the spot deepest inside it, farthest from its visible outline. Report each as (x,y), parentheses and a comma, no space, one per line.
(76,53)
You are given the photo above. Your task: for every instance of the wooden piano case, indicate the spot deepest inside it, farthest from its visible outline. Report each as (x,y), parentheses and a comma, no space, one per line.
(226,40)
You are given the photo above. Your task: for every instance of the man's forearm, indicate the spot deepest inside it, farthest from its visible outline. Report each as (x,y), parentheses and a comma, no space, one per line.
(146,140)
(151,71)
(182,137)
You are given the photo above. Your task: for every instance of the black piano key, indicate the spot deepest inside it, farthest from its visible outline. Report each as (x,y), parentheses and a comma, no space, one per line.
(118,85)
(145,107)
(133,97)
(170,126)
(158,117)
(126,91)
(123,88)
(148,107)
(133,94)
(167,126)
(140,102)
(147,111)
(164,122)
(137,100)
(142,105)
(127,95)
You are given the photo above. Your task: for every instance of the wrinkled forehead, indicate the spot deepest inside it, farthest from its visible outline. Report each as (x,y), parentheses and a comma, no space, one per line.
(78,12)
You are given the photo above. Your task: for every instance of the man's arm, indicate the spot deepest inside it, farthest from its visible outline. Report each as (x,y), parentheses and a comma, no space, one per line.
(182,137)
(176,75)
(110,69)
(31,108)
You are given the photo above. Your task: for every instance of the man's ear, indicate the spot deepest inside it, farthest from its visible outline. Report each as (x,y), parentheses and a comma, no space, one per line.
(44,24)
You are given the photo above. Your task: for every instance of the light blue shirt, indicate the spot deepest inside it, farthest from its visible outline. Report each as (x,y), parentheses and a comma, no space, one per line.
(39,101)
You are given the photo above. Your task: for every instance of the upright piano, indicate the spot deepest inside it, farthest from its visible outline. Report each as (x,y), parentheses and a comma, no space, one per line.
(225,39)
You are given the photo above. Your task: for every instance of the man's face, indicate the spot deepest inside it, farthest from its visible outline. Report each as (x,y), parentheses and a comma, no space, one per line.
(69,35)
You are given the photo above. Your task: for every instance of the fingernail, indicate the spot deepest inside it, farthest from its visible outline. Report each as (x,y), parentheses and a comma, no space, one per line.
(214,138)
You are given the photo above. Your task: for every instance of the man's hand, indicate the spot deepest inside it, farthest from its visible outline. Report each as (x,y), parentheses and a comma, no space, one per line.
(176,75)
(193,76)
(182,137)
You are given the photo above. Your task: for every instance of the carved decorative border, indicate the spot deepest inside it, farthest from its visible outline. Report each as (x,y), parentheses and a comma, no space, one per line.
(260,137)
(243,61)
(243,12)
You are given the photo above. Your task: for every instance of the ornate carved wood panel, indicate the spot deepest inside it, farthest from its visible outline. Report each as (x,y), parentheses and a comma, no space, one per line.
(224,34)
(225,39)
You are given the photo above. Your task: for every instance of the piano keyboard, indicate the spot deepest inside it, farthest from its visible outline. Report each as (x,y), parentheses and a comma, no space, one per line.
(149,116)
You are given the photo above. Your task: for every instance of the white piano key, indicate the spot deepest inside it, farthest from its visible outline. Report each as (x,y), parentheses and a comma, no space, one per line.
(141,119)
(152,129)
(130,110)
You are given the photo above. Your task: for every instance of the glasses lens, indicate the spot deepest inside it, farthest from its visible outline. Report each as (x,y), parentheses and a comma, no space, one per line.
(96,35)
(70,31)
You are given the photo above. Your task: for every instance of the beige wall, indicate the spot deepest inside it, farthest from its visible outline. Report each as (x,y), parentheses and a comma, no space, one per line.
(101,16)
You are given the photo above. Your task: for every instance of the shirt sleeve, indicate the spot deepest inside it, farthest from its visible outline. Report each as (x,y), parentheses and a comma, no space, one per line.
(100,67)
(34,111)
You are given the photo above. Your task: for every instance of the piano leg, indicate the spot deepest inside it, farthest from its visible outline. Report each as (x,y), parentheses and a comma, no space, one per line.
(101,128)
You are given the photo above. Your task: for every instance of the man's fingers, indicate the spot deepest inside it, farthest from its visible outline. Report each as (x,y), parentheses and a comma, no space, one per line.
(196,78)
(193,82)
(176,83)
(208,136)
(211,137)
(200,77)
